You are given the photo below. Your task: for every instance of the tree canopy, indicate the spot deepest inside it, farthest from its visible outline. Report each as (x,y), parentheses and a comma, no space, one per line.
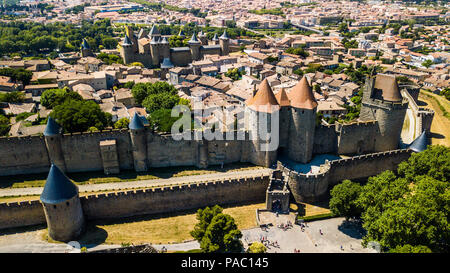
(79,116)
(54,97)
(411,207)
(217,232)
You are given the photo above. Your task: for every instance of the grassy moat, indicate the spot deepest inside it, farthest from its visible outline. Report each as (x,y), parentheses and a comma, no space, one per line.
(38,180)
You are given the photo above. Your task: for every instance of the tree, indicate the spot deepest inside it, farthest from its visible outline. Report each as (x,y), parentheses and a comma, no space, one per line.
(4,125)
(204,218)
(54,97)
(257,247)
(122,123)
(344,198)
(79,116)
(222,235)
(160,101)
(17,74)
(427,63)
(411,249)
(12,97)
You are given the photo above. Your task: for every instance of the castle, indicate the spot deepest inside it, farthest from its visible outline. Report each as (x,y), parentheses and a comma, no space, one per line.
(373,142)
(153,50)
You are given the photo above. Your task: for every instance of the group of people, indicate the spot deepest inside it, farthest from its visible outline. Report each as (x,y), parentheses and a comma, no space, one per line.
(268,243)
(286,226)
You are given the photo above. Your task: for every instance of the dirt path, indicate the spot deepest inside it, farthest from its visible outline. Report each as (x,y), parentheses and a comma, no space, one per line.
(440,128)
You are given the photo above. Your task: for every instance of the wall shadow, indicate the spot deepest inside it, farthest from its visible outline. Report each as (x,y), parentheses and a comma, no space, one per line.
(421,103)
(436,135)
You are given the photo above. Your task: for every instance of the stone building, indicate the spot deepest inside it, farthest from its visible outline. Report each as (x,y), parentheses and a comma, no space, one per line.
(151,50)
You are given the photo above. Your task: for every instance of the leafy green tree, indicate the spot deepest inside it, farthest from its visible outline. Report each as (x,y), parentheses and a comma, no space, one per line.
(4,125)
(79,116)
(427,63)
(433,162)
(17,74)
(54,97)
(162,121)
(122,123)
(12,97)
(297,51)
(344,198)
(217,232)
(411,249)
(160,101)
(257,247)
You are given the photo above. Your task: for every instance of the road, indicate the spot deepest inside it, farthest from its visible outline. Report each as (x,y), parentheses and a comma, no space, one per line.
(144,183)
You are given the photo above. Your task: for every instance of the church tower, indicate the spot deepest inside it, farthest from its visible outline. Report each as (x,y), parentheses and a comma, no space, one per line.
(302,122)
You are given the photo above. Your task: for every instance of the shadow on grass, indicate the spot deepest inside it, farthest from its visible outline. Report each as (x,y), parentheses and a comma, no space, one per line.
(421,103)
(93,236)
(352,228)
(10,231)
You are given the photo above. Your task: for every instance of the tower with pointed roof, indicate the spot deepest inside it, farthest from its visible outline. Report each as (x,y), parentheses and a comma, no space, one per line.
(383,102)
(155,50)
(139,143)
(126,50)
(86,50)
(52,135)
(285,116)
(263,113)
(203,38)
(62,207)
(224,42)
(194,45)
(303,107)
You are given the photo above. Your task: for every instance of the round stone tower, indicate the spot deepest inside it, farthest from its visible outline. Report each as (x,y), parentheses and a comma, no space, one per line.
(302,122)
(62,207)
(126,50)
(285,116)
(263,119)
(52,135)
(139,143)
(383,102)
(203,38)
(165,48)
(224,42)
(194,45)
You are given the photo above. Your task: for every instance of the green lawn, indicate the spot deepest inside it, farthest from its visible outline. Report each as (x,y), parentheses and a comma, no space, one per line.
(38,180)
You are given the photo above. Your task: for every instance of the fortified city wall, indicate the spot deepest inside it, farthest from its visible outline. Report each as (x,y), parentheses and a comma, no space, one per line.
(147,201)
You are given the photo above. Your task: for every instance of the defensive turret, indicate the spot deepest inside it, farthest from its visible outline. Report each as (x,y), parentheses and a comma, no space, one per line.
(62,207)
(127,50)
(224,43)
(139,143)
(52,135)
(194,45)
(86,50)
(302,122)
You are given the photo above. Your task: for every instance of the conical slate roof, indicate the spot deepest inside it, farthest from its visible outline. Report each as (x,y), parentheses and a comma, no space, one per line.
(58,187)
(388,86)
(264,97)
(85,44)
(136,123)
(52,127)
(127,41)
(420,143)
(282,98)
(194,39)
(154,40)
(154,31)
(215,37)
(142,33)
(167,63)
(164,41)
(302,96)
(181,33)
(224,35)
(201,33)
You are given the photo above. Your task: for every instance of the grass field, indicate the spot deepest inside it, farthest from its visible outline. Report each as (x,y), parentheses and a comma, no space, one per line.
(440,128)
(171,227)
(38,180)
